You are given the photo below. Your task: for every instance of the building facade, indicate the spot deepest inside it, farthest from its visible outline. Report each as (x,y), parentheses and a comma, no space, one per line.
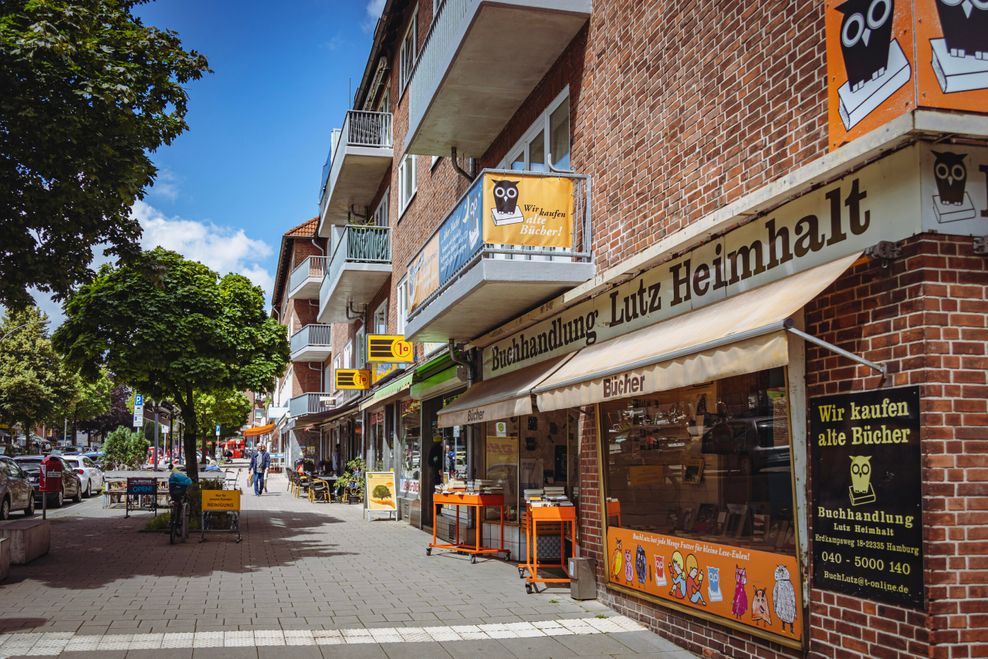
(718,271)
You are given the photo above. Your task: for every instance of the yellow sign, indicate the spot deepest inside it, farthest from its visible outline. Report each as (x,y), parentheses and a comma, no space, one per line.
(220,500)
(388,348)
(352,378)
(533,211)
(380,490)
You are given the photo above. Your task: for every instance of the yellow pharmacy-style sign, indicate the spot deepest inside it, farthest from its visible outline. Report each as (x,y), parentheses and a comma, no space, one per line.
(380,493)
(352,378)
(532,211)
(220,500)
(389,348)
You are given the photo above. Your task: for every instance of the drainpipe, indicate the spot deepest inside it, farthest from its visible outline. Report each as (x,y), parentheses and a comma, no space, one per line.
(460,358)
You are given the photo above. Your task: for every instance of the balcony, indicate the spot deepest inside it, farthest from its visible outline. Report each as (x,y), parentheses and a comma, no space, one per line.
(313,403)
(359,266)
(491,260)
(303,283)
(359,158)
(480,61)
(312,343)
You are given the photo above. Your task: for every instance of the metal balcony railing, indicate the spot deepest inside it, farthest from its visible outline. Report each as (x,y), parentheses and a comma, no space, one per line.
(448,27)
(312,403)
(312,266)
(311,335)
(360,128)
(360,244)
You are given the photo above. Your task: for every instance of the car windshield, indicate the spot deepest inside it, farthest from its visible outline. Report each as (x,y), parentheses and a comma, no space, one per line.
(72,462)
(30,467)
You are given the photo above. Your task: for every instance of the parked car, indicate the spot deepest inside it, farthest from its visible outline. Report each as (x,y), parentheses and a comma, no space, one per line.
(71,483)
(89,473)
(15,489)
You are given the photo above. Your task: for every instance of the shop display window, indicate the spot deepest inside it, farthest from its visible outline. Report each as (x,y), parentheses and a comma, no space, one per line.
(411,461)
(381,456)
(709,462)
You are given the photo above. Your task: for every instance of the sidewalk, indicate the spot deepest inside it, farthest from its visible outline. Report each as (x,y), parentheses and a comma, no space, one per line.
(314,576)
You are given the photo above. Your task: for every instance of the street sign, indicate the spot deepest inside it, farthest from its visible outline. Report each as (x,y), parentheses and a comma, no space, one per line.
(217,430)
(389,348)
(138,411)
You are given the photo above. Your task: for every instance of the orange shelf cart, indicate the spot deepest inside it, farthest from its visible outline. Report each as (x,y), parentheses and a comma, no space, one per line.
(614,510)
(478,501)
(561,515)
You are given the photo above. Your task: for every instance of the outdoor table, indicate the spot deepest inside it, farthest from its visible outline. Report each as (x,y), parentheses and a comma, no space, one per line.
(479,502)
(561,515)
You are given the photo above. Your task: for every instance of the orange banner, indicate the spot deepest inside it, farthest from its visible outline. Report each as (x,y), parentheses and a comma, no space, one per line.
(754,588)
(532,211)
(952,54)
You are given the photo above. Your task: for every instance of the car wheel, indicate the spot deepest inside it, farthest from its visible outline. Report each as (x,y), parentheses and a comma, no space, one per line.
(59,499)
(5,509)
(30,507)
(78,494)
(89,489)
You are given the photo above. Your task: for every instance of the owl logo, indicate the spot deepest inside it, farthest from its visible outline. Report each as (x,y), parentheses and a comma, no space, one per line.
(965,27)
(951,176)
(861,490)
(505,209)
(865,38)
(784,597)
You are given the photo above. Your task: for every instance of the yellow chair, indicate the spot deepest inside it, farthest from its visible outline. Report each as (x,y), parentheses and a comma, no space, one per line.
(318,489)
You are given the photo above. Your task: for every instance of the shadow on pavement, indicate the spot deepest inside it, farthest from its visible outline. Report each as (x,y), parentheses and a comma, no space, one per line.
(20,624)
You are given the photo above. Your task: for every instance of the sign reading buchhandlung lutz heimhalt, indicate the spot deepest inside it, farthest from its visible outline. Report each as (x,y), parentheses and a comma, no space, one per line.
(867,506)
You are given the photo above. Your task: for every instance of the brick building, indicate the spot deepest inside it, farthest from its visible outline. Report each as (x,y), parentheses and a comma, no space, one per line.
(712,269)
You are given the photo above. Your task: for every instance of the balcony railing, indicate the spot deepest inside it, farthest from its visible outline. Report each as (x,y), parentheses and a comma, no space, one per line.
(313,403)
(312,267)
(360,244)
(360,128)
(465,250)
(312,336)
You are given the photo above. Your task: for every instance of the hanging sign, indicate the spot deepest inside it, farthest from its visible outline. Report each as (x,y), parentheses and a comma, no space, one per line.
(389,348)
(527,210)
(352,378)
(867,500)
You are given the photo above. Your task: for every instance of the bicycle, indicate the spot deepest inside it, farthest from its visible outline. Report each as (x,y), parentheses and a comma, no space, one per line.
(179,522)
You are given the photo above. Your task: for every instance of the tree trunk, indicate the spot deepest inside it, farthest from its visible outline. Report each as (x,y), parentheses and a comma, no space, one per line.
(189,435)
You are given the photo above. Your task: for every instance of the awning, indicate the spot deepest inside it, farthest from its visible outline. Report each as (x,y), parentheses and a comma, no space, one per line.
(499,398)
(439,384)
(259,430)
(394,388)
(742,334)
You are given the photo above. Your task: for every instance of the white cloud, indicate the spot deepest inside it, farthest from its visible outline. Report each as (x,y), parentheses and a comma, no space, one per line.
(374,10)
(165,185)
(222,248)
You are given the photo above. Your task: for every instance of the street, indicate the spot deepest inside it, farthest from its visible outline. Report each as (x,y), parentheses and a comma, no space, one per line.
(316,577)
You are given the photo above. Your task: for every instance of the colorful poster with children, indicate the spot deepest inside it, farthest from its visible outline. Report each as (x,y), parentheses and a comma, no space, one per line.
(755,588)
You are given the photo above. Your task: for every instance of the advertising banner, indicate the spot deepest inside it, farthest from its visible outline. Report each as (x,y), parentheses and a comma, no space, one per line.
(423,273)
(352,378)
(381,489)
(530,211)
(867,499)
(754,588)
(952,54)
(460,235)
(955,188)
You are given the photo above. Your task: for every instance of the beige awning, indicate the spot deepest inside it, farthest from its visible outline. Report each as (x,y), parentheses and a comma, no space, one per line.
(742,334)
(501,397)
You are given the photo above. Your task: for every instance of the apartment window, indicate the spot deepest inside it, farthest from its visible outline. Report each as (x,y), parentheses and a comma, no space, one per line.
(384,105)
(548,135)
(408,54)
(380,218)
(360,348)
(337,365)
(348,355)
(380,325)
(407,185)
(401,311)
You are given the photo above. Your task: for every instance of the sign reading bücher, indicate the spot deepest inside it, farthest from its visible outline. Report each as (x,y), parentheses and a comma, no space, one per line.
(867,500)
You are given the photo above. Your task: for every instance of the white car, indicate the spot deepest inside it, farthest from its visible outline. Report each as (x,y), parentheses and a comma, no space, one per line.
(90,475)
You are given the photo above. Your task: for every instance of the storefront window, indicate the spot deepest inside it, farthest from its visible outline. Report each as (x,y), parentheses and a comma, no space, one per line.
(501,461)
(378,446)
(699,497)
(411,436)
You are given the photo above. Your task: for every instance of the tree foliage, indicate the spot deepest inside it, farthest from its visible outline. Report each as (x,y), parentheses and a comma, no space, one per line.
(171,327)
(88,92)
(227,407)
(125,449)
(34,385)
(115,415)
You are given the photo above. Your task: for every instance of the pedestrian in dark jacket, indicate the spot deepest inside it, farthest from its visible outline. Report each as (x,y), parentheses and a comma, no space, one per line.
(259,465)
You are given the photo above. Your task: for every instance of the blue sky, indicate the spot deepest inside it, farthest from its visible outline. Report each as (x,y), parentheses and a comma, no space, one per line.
(248,169)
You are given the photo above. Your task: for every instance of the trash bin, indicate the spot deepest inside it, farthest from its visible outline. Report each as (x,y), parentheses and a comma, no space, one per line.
(583,584)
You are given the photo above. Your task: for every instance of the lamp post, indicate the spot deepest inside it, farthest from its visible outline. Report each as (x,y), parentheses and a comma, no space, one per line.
(156,429)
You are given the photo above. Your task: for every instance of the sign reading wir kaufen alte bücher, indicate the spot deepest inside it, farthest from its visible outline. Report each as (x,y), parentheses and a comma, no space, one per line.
(867,506)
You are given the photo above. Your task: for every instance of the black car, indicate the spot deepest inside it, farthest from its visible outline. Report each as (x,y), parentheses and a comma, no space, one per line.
(71,484)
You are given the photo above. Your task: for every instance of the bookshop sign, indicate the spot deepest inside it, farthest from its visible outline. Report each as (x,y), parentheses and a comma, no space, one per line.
(867,510)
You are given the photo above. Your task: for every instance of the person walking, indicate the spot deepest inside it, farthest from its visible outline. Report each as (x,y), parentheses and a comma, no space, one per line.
(259,464)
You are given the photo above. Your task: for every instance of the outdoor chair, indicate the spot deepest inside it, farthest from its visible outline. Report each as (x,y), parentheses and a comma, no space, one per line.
(319,489)
(303,486)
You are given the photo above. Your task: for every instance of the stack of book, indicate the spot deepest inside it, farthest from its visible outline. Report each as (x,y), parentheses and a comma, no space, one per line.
(551,495)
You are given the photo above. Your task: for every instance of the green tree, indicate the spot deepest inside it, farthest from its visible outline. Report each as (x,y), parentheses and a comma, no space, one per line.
(125,449)
(90,400)
(88,92)
(170,327)
(34,385)
(227,407)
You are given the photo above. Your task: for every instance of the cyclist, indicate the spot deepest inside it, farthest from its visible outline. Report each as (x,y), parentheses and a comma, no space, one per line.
(178,484)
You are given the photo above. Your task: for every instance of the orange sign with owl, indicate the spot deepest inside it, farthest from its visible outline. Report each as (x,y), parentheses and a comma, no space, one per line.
(952,54)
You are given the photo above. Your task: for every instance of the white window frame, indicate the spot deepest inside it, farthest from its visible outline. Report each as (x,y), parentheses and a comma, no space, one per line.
(380,217)
(401,306)
(380,318)
(406,191)
(408,54)
(336,366)
(360,348)
(348,355)
(541,124)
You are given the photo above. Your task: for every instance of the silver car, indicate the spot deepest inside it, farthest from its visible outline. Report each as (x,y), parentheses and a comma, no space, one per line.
(16,492)
(90,474)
